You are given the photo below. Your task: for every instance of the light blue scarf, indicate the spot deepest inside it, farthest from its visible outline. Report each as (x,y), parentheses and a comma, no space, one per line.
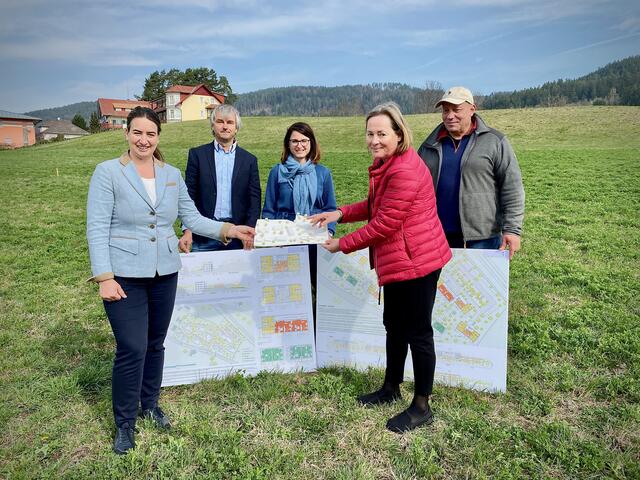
(304,182)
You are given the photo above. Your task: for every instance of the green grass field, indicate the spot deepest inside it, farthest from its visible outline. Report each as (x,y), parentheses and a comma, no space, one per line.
(572,409)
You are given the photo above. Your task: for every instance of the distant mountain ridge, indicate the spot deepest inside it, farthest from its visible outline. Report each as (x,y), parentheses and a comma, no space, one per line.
(66,112)
(617,83)
(327,101)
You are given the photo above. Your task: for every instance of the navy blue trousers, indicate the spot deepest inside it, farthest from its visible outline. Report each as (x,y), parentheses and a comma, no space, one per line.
(140,323)
(407,319)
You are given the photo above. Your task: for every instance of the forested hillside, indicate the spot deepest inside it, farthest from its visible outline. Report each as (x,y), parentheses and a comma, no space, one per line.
(336,101)
(617,83)
(66,112)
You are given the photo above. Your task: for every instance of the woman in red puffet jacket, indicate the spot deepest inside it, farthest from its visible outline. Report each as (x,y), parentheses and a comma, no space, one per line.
(407,248)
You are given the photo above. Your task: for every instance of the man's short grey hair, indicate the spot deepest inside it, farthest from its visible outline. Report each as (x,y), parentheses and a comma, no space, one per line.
(225,111)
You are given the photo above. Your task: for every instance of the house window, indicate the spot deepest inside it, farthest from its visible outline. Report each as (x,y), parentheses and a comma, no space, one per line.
(201,113)
(113,122)
(171,114)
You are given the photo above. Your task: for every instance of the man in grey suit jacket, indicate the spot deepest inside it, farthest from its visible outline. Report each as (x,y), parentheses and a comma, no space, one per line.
(223,181)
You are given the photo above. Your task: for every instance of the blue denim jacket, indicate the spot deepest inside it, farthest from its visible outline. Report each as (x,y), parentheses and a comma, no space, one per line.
(128,235)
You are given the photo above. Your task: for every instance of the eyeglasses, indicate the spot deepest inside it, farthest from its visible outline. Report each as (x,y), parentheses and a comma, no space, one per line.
(304,142)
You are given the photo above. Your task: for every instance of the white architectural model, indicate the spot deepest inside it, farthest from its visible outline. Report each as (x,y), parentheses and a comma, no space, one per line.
(275,233)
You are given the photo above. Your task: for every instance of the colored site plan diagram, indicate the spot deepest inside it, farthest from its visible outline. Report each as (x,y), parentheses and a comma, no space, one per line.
(469,317)
(240,311)
(272,233)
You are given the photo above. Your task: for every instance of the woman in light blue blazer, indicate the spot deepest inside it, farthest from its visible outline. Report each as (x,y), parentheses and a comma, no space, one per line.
(132,206)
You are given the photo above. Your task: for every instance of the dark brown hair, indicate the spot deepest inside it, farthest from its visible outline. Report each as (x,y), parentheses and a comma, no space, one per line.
(144,112)
(306,130)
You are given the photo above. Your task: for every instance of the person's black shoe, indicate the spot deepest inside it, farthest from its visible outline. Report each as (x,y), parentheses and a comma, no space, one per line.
(124,440)
(157,416)
(380,397)
(409,419)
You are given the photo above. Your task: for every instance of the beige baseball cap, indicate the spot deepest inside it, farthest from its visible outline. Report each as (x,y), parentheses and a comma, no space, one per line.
(456,95)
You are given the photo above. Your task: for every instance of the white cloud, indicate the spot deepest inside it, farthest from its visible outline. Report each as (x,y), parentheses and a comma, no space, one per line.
(630,24)
(598,44)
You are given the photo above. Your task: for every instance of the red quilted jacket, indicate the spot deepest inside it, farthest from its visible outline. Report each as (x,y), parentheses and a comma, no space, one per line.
(404,234)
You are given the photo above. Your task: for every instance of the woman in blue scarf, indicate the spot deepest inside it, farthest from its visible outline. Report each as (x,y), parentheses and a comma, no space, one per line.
(299,184)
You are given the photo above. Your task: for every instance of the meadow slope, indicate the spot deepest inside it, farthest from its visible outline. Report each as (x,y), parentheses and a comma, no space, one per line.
(572,409)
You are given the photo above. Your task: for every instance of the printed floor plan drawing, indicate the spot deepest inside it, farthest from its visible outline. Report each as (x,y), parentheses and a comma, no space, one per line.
(469,317)
(241,311)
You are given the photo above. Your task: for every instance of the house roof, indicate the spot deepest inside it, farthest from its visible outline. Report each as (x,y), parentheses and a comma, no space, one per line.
(17,116)
(188,89)
(60,127)
(202,89)
(107,106)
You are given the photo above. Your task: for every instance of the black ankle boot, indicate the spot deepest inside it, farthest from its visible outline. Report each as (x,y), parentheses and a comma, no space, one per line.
(387,394)
(411,418)
(157,416)
(124,440)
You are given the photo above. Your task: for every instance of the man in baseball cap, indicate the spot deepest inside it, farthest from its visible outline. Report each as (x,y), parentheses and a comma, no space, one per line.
(476,176)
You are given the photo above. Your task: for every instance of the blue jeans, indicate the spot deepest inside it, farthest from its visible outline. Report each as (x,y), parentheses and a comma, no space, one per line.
(456,241)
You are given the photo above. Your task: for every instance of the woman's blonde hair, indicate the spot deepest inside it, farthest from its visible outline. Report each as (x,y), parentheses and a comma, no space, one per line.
(398,123)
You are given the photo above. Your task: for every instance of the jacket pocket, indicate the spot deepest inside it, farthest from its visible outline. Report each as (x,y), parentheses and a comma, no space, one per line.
(407,250)
(126,244)
(172,243)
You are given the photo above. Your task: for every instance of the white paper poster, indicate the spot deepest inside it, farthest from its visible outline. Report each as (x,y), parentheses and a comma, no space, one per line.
(469,317)
(240,311)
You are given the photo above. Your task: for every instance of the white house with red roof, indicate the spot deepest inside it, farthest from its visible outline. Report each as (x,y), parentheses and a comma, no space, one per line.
(182,103)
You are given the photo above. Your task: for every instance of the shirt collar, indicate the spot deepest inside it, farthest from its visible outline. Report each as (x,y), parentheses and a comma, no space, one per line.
(443,133)
(218,148)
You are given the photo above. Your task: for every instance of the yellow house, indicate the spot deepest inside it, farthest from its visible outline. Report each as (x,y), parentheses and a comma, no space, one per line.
(183,103)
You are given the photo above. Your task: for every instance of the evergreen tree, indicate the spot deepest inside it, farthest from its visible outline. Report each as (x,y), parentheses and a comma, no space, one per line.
(79,121)
(156,84)
(94,123)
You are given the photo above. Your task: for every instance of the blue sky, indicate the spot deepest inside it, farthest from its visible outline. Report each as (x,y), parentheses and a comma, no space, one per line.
(56,53)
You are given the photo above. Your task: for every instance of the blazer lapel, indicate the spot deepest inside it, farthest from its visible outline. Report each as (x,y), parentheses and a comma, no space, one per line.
(211,158)
(161,181)
(129,171)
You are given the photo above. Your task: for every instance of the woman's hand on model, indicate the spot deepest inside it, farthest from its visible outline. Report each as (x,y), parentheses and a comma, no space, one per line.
(324,218)
(110,290)
(244,233)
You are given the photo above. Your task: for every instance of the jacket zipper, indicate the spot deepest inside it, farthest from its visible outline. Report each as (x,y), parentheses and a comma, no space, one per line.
(463,160)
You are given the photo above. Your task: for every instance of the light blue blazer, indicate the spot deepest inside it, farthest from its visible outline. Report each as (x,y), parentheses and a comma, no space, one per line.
(128,235)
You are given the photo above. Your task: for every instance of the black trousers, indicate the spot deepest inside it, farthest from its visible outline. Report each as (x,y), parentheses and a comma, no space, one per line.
(407,319)
(140,323)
